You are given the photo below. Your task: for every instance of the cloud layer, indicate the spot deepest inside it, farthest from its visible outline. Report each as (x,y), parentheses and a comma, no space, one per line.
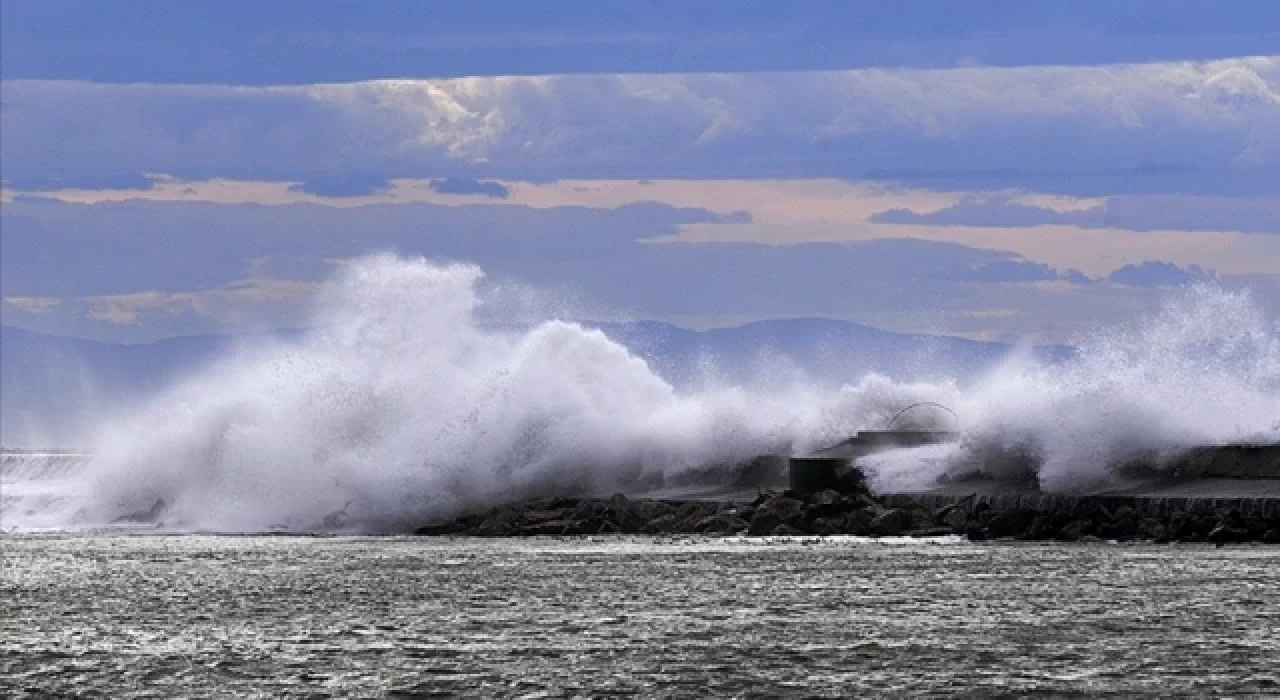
(1187,122)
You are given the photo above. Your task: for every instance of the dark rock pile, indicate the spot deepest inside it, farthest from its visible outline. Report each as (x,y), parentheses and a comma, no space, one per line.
(853,513)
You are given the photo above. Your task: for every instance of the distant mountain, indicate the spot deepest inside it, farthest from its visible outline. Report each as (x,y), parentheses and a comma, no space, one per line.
(51,385)
(825,349)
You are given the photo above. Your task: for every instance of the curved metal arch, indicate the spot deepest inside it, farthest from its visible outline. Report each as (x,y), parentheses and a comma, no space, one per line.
(918,404)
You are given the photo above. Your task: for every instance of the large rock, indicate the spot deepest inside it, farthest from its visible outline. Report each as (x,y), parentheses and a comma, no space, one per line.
(1010,523)
(548,527)
(779,510)
(895,521)
(1075,530)
(504,521)
(721,524)
(955,517)
(1225,534)
(826,504)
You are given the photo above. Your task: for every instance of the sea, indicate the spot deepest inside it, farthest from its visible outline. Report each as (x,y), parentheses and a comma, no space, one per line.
(131,615)
(403,404)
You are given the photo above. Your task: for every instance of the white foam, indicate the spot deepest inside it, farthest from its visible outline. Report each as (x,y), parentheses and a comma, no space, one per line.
(398,406)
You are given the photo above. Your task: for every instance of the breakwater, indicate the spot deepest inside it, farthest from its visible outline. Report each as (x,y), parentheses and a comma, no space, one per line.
(1212,494)
(830,512)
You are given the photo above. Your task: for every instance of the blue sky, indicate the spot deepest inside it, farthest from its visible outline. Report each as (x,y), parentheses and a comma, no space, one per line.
(988,169)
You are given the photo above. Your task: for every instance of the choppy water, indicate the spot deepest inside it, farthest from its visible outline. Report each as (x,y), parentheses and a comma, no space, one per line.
(204,616)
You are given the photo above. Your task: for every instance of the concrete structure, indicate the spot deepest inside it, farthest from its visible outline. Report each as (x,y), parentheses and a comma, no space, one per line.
(1243,477)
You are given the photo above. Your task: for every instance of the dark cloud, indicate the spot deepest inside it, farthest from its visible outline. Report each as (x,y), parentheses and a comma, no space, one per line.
(459,185)
(978,211)
(78,181)
(1155,273)
(343,186)
(1007,271)
(1135,213)
(53,249)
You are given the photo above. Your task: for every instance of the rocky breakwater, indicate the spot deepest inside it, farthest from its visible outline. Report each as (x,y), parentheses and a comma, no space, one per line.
(832,512)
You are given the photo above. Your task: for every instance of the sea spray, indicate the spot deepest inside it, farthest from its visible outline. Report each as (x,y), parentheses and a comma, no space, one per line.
(1203,370)
(398,405)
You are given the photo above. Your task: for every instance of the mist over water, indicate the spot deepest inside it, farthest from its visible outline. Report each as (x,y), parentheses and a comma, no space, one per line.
(399,405)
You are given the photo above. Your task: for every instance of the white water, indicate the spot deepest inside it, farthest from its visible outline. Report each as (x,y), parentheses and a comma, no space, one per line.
(398,406)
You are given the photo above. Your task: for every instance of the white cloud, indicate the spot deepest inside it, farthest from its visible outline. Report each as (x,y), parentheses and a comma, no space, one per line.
(34,305)
(1215,114)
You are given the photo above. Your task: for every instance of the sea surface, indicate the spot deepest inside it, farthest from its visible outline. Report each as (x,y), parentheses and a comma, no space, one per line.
(128,615)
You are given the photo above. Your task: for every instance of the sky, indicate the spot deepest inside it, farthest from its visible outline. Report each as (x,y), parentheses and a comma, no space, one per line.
(990,169)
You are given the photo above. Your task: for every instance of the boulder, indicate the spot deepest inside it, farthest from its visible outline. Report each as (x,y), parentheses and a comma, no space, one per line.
(1225,534)
(542,515)
(1074,531)
(894,521)
(1010,523)
(833,525)
(609,527)
(776,511)
(548,527)
(825,504)
(721,524)
(500,522)
(1152,529)
(663,525)
(785,530)
(955,517)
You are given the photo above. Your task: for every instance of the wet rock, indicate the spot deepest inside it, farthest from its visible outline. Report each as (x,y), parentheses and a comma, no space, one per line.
(955,517)
(862,500)
(501,522)
(785,530)
(648,511)
(609,527)
(1255,526)
(894,521)
(1091,511)
(1123,525)
(1074,531)
(834,525)
(721,524)
(663,525)
(547,527)
(435,530)
(939,531)
(1045,526)
(825,504)
(543,515)
(622,512)
(762,497)
(1010,523)
(1152,529)
(776,511)
(1225,534)
(551,503)
(1271,536)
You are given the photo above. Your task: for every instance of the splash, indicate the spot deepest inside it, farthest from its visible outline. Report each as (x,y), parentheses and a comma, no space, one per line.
(1204,370)
(399,405)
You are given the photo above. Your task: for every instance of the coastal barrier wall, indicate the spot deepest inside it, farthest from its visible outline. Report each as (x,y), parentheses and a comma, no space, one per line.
(1154,506)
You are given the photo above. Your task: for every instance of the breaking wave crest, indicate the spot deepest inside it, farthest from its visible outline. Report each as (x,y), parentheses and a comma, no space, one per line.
(398,405)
